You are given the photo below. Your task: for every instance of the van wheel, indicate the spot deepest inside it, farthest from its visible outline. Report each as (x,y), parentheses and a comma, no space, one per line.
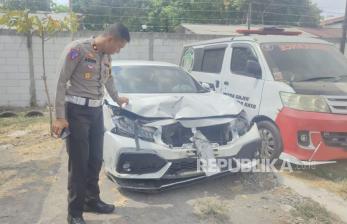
(271,146)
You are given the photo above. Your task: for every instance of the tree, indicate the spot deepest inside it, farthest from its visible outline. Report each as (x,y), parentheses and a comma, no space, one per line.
(165,15)
(280,12)
(32,5)
(214,12)
(99,13)
(44,27)
(19,19)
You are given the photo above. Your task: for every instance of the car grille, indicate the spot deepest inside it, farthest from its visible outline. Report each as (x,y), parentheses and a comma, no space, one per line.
(335,139)
(176,135)
(189,164)
(337,104)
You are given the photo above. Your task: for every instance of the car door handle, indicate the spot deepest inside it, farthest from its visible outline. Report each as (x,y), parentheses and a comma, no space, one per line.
(217,84)
(226,83)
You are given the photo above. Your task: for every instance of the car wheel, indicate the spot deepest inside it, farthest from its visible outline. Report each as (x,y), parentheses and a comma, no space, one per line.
(271,146)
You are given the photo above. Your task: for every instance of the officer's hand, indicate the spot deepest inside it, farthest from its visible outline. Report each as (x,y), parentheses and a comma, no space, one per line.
(58,125)
(121,100)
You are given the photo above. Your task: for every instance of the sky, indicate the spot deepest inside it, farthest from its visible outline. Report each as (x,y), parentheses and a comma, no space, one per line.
(329,7)
(63,2)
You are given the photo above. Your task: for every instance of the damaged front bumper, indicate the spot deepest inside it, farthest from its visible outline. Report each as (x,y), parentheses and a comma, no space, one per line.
(145,166)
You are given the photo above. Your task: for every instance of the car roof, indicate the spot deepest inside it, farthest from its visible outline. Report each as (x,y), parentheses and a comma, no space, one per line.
(141,63)
(262,39)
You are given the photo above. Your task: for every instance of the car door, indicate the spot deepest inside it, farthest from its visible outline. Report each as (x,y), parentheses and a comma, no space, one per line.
(208,61)
(242,77)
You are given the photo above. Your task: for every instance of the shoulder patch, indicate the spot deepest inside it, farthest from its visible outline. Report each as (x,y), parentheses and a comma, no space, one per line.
(74,53)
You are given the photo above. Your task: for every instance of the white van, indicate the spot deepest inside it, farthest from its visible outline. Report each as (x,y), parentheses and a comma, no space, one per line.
(294,88)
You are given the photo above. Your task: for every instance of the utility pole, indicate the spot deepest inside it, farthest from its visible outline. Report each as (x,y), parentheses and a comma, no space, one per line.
(344,30)
(249,15)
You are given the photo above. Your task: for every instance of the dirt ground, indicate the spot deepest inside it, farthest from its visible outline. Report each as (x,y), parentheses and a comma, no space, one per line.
(33,190)
(28,162)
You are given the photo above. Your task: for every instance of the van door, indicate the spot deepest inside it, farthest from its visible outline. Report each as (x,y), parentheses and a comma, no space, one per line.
(208,61)
(243,79)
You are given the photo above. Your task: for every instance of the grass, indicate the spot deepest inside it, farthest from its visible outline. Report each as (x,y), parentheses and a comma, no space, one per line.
(20,121)
(211,209)
(32,129)
(312,212)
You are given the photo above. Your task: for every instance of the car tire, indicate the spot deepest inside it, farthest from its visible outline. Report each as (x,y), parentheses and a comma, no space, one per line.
(271,146)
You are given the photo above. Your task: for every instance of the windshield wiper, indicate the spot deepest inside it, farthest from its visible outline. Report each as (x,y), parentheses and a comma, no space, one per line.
(318,78)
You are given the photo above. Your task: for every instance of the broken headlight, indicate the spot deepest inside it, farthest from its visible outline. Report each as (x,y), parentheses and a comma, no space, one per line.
(130,128)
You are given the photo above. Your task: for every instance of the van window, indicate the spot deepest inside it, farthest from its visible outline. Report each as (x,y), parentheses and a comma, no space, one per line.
(239,59)
(198,54)
(212,60)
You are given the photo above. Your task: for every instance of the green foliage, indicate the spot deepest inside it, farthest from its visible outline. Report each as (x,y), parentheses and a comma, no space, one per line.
(43,26)
(166,15)
(46,25)
(163,16)
(24,22)
(18,20)
(99,13)
(33,5)
(281,12)
(71,23)
(217,12)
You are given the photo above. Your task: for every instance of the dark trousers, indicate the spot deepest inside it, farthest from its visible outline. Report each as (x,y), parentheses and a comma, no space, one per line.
(84,147)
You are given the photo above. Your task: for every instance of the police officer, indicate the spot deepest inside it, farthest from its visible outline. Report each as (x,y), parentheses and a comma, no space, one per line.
(86,68)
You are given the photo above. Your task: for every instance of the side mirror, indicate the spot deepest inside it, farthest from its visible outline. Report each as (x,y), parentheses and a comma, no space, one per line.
(205,85)
(253,68)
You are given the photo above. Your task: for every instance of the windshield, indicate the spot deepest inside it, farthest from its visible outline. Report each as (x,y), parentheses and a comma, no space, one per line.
(154,79)
(296,62)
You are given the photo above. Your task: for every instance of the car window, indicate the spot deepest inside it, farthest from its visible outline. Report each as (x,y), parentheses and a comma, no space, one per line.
(239,59)
(154,79)
(213,60)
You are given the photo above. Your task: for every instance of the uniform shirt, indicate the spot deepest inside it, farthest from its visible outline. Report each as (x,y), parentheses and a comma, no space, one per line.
(84,72)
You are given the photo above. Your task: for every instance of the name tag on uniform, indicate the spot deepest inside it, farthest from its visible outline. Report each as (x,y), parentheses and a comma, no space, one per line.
(91,60)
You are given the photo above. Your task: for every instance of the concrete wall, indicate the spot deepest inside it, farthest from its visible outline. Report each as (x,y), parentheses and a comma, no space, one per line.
(14,73)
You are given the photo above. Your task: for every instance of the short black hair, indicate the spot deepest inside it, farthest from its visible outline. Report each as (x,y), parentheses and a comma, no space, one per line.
(118,30)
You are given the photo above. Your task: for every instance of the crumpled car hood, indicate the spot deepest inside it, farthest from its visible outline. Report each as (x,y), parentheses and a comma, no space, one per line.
(182,106)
